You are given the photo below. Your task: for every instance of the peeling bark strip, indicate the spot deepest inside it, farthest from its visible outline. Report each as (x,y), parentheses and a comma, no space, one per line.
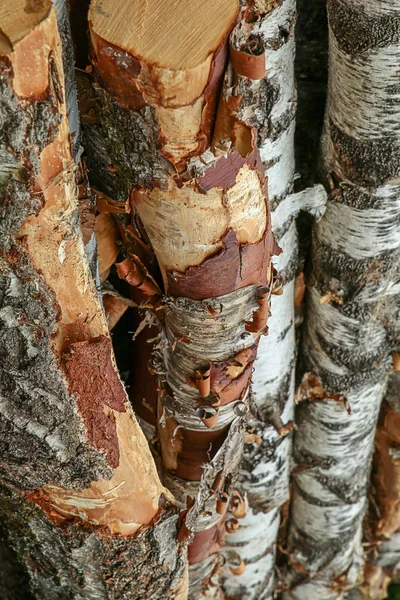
(386,461)
(383,565)
(71,451)
(353,301)
(197,194)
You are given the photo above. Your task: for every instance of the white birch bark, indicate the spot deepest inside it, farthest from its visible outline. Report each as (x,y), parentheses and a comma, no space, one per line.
(353,302)
(264,475)
(198,208)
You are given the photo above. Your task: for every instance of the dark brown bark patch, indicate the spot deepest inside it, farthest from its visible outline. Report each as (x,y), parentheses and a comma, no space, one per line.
(92,377)
(207,542)
(366,162)
(198,448)
(223,173)
(232,268)
(133,271)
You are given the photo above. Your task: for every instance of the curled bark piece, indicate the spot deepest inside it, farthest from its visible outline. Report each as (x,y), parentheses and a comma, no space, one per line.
(222,503)
(209,417)
(240,569)
(248,65)
(347,344)
(135,273)
(238,506)
(261,315)
(203,381)
(232,525)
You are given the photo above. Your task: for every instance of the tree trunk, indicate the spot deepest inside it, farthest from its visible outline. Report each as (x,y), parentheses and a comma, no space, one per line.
(352,303)
(186,164)
(78,487)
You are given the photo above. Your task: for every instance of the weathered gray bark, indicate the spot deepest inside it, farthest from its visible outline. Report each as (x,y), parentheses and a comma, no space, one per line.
(14,583)
(353,302)
(66,511)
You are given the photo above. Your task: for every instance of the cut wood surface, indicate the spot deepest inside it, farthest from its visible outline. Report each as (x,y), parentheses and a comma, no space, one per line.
(170,58)
(167,34)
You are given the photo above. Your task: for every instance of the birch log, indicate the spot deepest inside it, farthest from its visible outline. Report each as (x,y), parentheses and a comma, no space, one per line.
(196,193)
(77,481)
(353,301)
(264,476)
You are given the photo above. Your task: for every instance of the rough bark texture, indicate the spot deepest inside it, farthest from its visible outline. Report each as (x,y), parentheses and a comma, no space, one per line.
(77,480)
(14,582)
(352,302)
(184,160)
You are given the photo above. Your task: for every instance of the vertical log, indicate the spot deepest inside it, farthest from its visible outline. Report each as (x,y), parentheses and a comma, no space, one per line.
(353,302)
(80,498)
(196,193)
(264,478)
